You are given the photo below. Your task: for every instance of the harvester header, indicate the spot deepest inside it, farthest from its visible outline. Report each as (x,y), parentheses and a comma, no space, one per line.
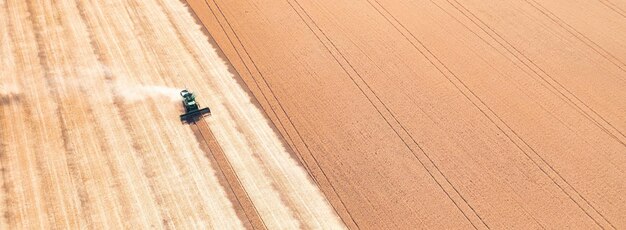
(192,108)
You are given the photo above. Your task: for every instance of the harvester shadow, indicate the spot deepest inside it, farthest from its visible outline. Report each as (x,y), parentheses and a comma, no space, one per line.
(243,85)
(246,82)
(193,120)
(219,172)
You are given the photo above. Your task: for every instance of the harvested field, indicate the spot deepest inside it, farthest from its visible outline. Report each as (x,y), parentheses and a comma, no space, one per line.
(91,136)
(326,114)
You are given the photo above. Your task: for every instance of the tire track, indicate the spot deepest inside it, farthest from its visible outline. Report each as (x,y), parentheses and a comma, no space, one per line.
(284,196)
(179,204)
(149,169)
(96,47)
(263,99)
(550,171)
(519,56)
(593,46)
(223,181)
(7,52)
(351,219)
(39,40)
(510,133)
(195,58)
(580,200)
(126,114)
(341,20)
(126,193)
(446,181)
(118,111)
(566,93)
(273,113)
(146,30)
(506,127)
(282,127)
(160,29)
(613,7)
(114,196)
(4,187)
(429,56)
(561,91)
(581,37)
(224,166)
(273,157)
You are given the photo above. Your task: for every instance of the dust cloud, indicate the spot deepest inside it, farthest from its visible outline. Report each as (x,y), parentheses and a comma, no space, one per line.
(121,86)
(136,93)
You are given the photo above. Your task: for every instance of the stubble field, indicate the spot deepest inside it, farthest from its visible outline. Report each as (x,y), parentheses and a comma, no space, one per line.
(91,136)
(373,114)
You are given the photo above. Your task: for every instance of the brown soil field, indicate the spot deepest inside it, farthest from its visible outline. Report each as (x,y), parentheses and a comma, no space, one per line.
(443,113)
(326,114)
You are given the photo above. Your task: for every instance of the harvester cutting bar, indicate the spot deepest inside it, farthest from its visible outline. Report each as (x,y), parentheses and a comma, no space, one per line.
(192,109)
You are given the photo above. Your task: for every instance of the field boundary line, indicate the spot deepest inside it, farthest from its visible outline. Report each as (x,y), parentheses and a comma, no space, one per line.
(305,164)
(274,113)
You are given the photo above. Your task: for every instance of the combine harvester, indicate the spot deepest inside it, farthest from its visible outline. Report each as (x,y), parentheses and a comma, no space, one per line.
(192,109)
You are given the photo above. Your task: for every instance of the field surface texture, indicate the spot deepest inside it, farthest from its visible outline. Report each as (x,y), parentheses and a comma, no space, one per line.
(443,113)
(326,114)
(91,138)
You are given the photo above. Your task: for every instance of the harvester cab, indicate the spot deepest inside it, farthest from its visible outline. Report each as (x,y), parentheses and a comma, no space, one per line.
(192,109)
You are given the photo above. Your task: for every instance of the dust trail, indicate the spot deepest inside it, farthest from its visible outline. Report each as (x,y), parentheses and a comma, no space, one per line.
(279,187)
(99,173)
(136,93)
(144,84)
(122,85)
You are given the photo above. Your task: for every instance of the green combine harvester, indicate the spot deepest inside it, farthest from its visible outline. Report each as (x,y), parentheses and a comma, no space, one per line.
(192,109)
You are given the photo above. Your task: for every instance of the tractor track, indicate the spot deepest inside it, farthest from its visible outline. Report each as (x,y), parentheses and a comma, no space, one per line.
(91,136)
(325,114)
(215,152)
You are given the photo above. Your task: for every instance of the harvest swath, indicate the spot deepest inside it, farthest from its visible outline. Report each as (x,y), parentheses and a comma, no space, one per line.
(324,114)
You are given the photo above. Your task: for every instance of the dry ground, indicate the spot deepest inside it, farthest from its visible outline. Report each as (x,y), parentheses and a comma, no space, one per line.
(373,114)
(90,131)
